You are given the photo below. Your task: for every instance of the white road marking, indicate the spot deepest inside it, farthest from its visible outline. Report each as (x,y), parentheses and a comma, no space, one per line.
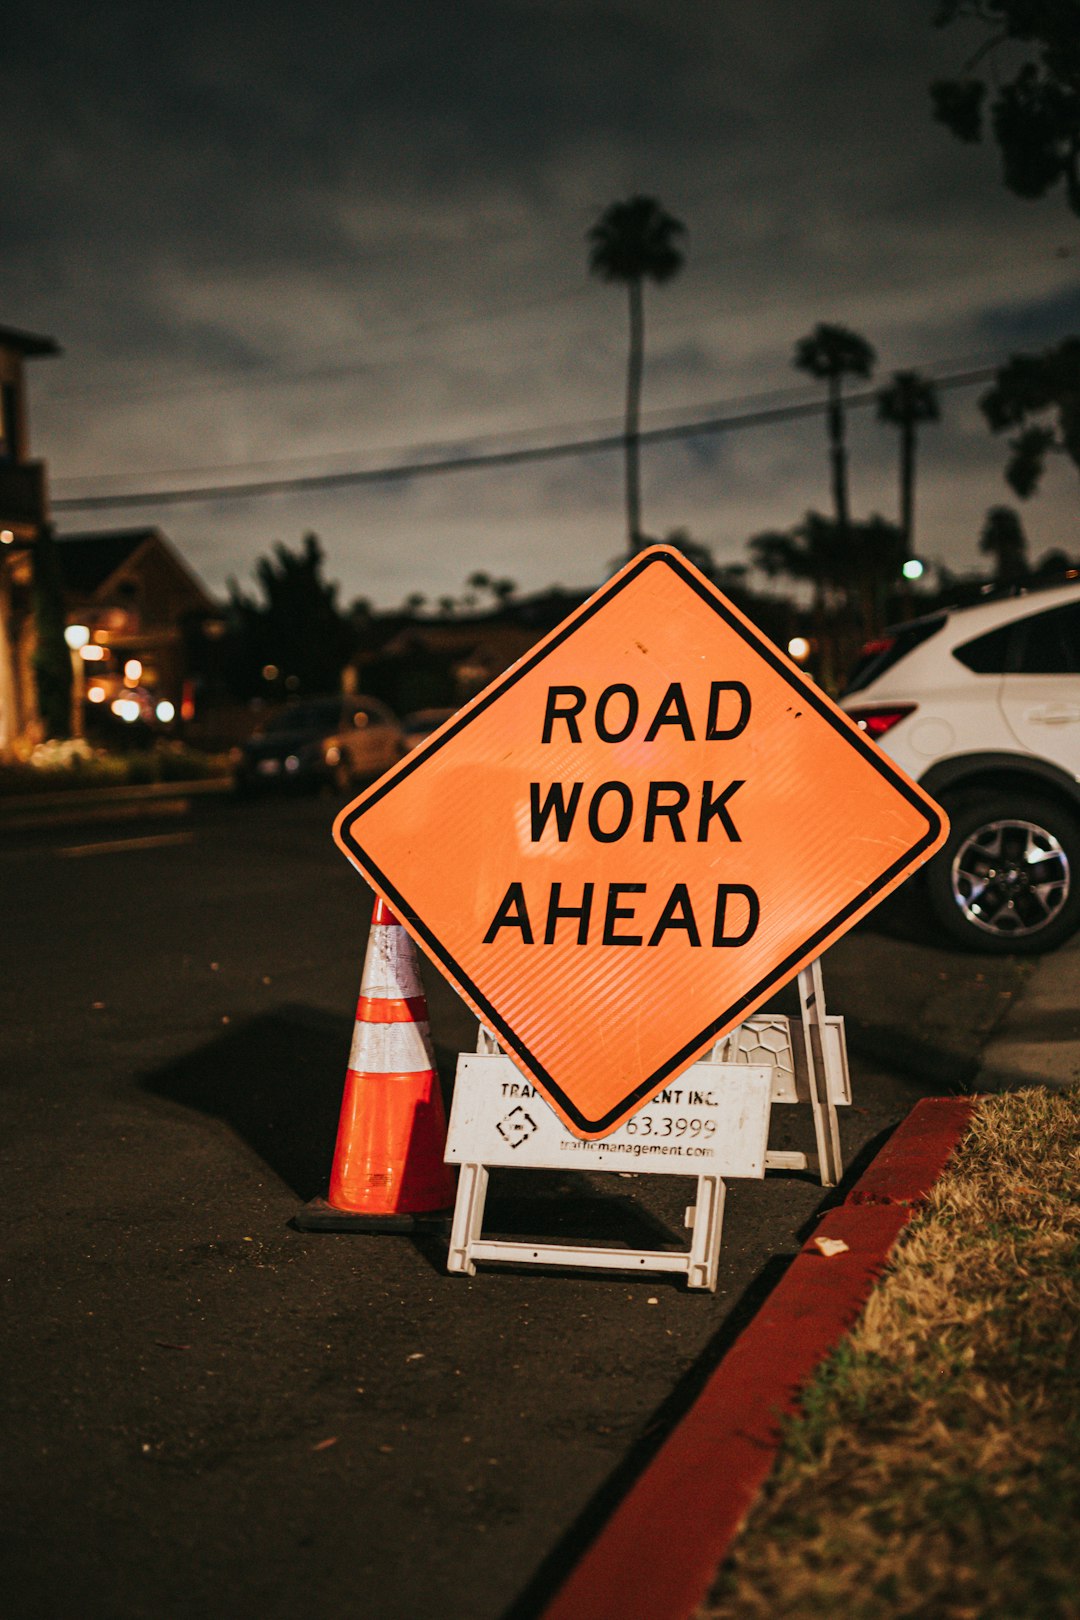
(116,845)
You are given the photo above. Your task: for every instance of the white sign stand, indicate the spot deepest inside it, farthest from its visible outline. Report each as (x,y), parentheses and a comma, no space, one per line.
(712,1122)
(813,1069)
(716,1114)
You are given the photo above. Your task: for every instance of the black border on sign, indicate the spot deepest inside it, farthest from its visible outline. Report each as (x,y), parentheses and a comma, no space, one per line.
(777,975)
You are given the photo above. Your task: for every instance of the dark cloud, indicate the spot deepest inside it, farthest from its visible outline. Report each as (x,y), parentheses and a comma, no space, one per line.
(282,234)
(1033,323)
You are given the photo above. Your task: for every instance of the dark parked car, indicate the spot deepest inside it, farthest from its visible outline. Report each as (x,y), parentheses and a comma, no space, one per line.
(343,742)
(419,725)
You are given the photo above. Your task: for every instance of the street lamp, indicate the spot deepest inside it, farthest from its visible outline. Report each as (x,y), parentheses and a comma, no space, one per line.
(77,636)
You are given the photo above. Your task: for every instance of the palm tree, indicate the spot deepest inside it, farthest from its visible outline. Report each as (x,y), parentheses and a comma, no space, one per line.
(812,553)
(907,402)
(1004,540)
(850,572)
(832,353)
(632,241)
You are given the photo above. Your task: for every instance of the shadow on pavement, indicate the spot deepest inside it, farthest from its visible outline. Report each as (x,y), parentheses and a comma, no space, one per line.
(541,1204)
(563,1557)
(277,1082)
(905,915)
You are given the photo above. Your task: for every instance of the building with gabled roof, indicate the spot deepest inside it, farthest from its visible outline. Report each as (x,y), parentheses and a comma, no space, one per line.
(139,566)
(139,600)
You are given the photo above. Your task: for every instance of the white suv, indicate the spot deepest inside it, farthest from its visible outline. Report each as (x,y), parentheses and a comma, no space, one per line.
(981,706)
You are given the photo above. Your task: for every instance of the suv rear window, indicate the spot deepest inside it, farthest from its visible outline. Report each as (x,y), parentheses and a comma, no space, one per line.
(1050,642)
(888,649)
(990,654)
(1042,644)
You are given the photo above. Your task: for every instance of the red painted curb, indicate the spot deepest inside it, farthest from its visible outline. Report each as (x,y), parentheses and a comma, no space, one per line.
(916,1153)
(657,1555)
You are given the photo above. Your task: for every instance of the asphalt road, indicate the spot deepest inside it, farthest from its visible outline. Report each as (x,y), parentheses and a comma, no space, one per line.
(208,1413)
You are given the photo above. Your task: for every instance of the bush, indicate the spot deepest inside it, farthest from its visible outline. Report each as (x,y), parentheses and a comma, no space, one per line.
(59,766)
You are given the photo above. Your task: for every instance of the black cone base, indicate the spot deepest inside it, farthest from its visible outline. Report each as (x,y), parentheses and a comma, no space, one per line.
(319,1216)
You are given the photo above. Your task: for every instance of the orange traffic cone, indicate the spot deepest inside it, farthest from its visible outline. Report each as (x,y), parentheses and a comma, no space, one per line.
(388,1164)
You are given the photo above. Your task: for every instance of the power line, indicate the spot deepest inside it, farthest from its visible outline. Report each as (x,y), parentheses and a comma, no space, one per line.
(440,466)
(589,427)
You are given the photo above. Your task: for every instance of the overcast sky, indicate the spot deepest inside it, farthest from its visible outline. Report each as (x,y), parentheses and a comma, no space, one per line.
(278,239)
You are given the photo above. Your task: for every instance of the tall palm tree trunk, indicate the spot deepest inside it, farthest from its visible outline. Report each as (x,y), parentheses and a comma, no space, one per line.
(907,484)
(838,455)
(634,368)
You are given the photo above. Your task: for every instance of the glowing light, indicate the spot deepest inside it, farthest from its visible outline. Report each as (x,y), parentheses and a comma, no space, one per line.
(95,694)
(165,711)
(126,708)
(132,671)
(92,654)
(6,537)
(799,649)
(270,672)
(76,636)
(914,568)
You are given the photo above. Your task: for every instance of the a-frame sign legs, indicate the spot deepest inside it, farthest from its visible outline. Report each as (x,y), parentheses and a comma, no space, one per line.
(809,1066)
(468,1223)
(736,1113)
(826,1132)
(698,1264)
(805,1067)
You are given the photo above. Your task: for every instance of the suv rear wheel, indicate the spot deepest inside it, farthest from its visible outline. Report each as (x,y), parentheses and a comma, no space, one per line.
(1008,877)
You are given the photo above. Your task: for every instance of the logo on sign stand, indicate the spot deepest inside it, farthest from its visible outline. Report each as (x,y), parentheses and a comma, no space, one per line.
(634,837)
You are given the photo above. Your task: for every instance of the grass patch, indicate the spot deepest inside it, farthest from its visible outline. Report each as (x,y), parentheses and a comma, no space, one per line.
(934,1471)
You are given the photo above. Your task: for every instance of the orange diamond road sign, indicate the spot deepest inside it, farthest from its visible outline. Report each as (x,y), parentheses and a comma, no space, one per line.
(634,836)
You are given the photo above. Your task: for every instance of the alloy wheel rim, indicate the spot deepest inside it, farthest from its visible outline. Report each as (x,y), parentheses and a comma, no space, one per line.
(1010,878)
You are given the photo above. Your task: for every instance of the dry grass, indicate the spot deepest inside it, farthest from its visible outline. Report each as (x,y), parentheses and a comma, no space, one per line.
(934,1473)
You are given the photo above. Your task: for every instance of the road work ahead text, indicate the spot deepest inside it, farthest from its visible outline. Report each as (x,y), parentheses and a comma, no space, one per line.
(662,810)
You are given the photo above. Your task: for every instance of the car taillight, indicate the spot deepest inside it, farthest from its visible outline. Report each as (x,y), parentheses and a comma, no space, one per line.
(877,721)
(875,648)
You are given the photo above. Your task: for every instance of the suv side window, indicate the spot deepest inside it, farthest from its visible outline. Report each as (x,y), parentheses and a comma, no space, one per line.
(991,654)
(1049,643)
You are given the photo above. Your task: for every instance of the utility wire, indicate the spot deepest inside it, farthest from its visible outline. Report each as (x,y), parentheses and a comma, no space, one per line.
(522,456)
(590,427)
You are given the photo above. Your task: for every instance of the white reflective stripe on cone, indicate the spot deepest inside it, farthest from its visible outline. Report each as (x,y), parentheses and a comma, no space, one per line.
(391,1049)
(390,970)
